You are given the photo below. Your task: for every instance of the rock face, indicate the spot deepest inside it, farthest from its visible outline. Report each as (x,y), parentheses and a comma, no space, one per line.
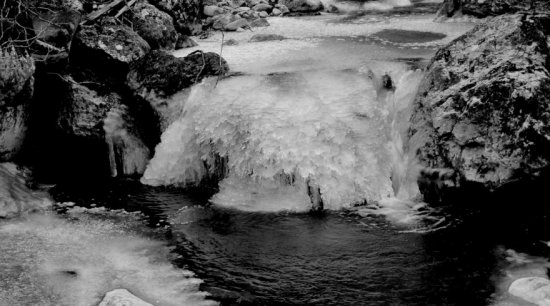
(16,90)
(122,297)
(159,76)
(483,108)
(155,26)
(15,196)
(484,8)
(535,290)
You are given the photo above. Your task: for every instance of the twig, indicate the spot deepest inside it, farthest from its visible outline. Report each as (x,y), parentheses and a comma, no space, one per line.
(125,8)
(221,67)
(203,64)
(94,15)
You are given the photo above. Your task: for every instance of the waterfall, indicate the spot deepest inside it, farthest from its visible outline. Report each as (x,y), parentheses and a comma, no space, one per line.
(128,155)
(326,133)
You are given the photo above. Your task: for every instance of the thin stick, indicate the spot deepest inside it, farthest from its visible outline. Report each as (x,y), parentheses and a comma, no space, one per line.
(221,68)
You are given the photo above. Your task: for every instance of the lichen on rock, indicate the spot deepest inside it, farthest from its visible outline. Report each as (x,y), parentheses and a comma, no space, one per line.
(483,108)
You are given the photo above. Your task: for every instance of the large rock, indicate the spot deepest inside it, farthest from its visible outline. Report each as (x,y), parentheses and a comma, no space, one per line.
(159,76)
(484,8)
(266,37)
(302,6)
(212,10)
(122,297)
(235,25)
(534,290)
(83,112)
(187,14)
(102,53)
(154,25)
(16,91)
(483,108)
(15,196)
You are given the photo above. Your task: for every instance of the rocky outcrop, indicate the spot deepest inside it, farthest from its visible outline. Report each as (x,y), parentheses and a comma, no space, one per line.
(16,90)
(15,196)
(483,108)
(154,25)
(485,8)
(159,76)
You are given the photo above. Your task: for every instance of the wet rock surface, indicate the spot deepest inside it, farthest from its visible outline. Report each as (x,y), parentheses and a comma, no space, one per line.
(16,90)
(483,108)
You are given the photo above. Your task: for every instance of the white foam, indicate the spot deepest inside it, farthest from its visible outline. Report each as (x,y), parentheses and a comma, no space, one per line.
(46,260)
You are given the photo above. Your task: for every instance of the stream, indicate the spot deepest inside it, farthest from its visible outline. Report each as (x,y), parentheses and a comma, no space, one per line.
(310,113)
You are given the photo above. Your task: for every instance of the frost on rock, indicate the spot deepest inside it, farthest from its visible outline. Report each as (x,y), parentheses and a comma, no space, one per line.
(328,129)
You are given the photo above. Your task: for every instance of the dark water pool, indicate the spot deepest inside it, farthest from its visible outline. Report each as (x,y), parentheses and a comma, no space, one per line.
(333,259)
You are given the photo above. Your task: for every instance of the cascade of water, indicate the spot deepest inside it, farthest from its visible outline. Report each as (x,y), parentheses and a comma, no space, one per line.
(319,133)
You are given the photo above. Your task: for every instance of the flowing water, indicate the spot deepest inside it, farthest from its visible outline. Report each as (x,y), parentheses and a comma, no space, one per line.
(305,121)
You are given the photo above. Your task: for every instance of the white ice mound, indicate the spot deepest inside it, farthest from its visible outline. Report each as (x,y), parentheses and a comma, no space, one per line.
(535,290)
(122,297)
(326,128)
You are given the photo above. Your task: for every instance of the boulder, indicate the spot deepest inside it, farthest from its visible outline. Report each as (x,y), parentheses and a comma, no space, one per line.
(302,6)
(534,290)
(187,14)
(83,111)
(159,76)
(15,196)
(103,52)
(481,9)
(266,37)
(230,42)
(262,7)
(212,10)
(483,107)
(263,14)
(260,22)
(239,23)
(276,12)
(185,42)
(155,26)
(122,297)
(219,22)
(242,9)
(236,3)
(16,91)
(284,9)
